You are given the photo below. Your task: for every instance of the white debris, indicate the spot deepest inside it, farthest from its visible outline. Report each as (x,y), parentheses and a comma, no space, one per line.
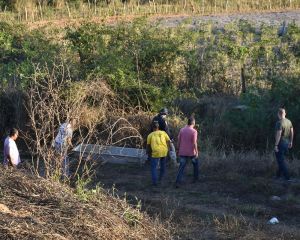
(275,198)
(172,154)
(274,220)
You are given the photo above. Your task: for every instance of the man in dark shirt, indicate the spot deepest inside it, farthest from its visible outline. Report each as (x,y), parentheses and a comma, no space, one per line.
(283,141)
(161,119)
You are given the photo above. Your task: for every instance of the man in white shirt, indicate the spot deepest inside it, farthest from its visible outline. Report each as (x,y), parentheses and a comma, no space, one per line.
(11,152)
(63,141)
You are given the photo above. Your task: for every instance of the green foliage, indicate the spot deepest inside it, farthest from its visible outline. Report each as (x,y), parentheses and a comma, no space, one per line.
(19,50)
(139,61)
(149,66)
(252,127)
(34,10)
(84,193)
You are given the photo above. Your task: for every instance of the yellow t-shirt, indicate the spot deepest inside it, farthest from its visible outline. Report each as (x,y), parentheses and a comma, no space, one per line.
(158,142)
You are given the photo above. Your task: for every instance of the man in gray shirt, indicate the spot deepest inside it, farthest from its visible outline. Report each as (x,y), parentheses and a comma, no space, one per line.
(284,134)
(63,141)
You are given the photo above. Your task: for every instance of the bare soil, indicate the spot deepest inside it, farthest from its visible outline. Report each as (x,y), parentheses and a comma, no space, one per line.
(220,206)
(268,18)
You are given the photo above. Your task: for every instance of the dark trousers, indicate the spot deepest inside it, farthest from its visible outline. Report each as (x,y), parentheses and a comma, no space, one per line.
(183,162)
(280,157)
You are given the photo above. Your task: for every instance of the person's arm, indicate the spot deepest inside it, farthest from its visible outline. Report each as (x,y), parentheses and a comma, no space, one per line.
(169,145)
(148,146)
(167,130)
(8,160)
(69,137)
(195,141)
(178,142)
(277,139)
(148,149)
(291,138)
(69,140)
(168,140)
(10,157)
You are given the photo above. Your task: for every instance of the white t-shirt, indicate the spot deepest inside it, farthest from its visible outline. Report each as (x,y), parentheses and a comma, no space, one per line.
(65,131)
(11,150)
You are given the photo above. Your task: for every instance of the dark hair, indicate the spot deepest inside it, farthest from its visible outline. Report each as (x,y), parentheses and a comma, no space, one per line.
(281,111)
(191,120)
(155,125)
(13,131)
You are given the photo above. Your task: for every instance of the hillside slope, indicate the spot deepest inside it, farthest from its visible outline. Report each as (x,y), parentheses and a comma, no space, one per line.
(36,208)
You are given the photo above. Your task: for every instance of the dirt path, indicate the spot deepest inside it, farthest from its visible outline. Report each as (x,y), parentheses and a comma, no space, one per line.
(217,207)
(269,18)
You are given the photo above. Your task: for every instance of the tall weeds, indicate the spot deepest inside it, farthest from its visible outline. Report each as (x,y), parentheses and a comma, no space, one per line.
(32,10)
(52,98)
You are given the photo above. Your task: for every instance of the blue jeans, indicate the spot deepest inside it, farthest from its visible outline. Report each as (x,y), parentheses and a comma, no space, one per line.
(282,168)
(65,167)
(183,162)
(154,162)
(62,149)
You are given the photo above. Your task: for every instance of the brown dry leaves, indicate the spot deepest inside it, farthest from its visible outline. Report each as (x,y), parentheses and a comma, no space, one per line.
(36,208)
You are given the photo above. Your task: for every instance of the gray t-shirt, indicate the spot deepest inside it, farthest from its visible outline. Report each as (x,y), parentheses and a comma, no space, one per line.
(65,131)
(284,125)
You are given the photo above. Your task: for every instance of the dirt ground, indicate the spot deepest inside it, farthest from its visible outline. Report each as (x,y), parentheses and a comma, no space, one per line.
(220,206)
(258,18)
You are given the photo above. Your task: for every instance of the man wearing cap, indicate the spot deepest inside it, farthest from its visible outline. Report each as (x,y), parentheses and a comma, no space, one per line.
(161,119)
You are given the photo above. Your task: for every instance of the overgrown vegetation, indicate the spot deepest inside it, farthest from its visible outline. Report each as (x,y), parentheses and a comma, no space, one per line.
(207,71)
(43,209)
(113,78)
(32,10)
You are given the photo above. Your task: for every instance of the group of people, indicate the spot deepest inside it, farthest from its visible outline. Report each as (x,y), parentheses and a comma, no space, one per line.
(159,144)
(61,144)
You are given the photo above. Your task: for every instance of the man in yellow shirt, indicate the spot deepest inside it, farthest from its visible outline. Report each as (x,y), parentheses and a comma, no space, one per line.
(158,145)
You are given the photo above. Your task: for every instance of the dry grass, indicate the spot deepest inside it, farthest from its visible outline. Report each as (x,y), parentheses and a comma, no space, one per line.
(31,11)
(232,200)
(35,208)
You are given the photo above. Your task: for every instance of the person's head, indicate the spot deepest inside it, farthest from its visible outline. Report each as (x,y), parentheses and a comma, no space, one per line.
(164,112)
(191,121)
(281,113)
(13,133)
(155,126)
